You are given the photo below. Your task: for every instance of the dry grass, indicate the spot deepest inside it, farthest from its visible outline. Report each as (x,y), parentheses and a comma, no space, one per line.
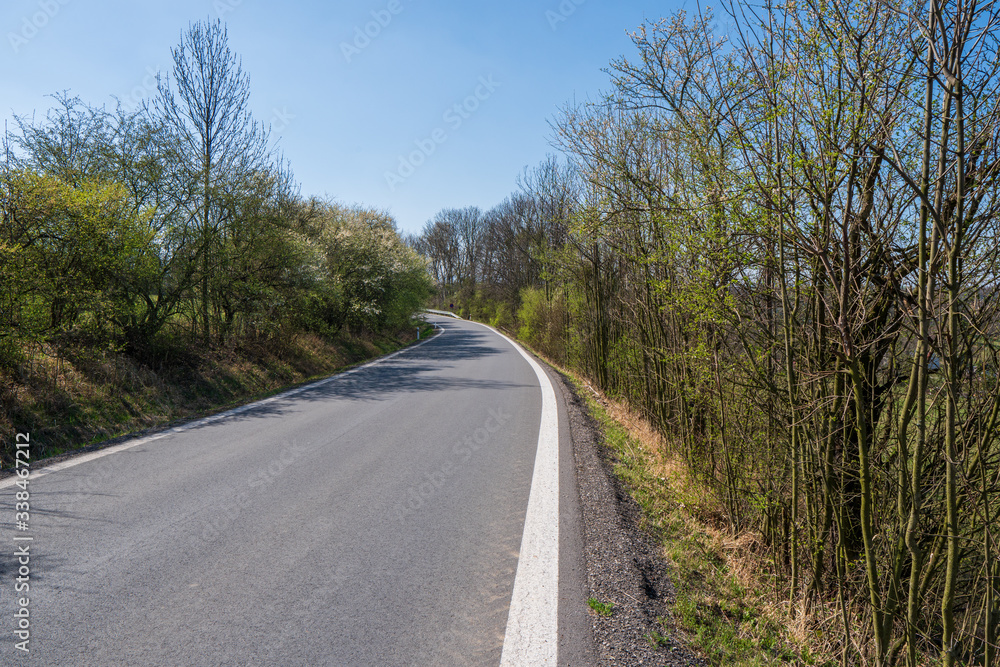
(71,398)
(727,593)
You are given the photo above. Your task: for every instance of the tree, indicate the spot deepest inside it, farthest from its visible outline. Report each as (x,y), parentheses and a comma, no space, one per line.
(370,279)
(76,243)
(221,143)
(784,254)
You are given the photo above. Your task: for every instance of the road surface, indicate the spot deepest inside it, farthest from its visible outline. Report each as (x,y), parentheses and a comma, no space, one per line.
(375,519)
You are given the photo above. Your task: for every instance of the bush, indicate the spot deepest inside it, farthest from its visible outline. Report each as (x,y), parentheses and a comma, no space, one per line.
(543,322)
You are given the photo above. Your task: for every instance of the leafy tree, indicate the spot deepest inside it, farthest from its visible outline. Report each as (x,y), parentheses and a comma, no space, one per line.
(77,243)
(372,278)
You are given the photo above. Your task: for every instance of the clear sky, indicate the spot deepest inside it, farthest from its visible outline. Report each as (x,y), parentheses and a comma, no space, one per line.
(346,107)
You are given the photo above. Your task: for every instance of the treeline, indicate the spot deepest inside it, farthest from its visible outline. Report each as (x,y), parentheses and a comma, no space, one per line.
(178,225)
(485,261)
(782,246)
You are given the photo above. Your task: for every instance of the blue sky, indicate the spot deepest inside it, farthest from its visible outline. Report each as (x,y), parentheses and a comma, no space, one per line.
(349,109)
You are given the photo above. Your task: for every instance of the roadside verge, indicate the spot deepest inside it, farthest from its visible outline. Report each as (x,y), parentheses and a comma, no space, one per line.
(630,590)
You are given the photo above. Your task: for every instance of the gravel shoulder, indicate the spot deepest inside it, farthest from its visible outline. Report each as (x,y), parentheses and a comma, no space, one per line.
(623,563)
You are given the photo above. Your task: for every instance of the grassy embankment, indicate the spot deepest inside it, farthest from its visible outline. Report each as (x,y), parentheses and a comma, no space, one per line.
(75,399)
(724,606)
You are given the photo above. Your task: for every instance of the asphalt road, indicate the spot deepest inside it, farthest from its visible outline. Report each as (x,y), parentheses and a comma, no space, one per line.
(373,520)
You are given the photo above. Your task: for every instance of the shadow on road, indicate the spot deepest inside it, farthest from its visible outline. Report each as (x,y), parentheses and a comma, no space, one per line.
(421,369)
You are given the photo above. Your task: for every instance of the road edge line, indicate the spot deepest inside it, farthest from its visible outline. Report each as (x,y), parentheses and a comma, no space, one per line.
(532,634)
(204,421)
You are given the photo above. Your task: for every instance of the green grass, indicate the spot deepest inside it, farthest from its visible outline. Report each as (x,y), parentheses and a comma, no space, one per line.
(602,608)
(656,638)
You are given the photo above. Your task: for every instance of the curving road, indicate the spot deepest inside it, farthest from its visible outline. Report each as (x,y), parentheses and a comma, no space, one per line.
(375,518)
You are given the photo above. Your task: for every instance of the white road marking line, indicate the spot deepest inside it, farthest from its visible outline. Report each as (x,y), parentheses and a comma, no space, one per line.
(532,636)
(86,458)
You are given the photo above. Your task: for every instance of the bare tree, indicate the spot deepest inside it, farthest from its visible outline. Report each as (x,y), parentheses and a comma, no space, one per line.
(222,144)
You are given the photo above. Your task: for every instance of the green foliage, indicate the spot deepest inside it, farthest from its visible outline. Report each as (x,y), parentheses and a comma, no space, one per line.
(70,249)
(543,322)
(602,608)
(502,317)
(104,233)
(370,278)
